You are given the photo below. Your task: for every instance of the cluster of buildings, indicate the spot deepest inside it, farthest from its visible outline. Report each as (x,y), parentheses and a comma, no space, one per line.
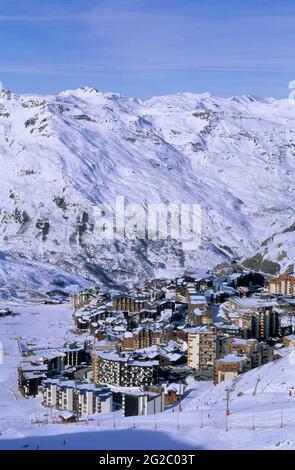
(242,356)
(143,344)
(255,317)
(44,360)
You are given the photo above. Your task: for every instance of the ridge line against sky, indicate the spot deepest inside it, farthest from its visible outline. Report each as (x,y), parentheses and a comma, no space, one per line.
(143,48)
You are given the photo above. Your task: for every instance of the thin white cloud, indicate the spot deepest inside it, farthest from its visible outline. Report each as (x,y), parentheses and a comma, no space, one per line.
(115,70)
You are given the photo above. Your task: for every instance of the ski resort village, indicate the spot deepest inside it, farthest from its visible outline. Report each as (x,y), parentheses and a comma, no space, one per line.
(191,362)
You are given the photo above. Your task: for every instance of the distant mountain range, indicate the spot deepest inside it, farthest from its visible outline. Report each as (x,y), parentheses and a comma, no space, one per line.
(62,155)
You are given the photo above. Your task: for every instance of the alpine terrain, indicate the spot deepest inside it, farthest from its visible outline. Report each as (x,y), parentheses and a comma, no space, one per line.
(63,155)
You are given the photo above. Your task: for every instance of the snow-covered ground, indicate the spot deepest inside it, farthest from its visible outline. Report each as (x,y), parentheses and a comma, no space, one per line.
(31,281)
(200,425)
(45,322)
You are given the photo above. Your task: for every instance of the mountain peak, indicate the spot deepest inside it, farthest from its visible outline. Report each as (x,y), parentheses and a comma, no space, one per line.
(6,94)
(83,91)
(88,90)
(248,99)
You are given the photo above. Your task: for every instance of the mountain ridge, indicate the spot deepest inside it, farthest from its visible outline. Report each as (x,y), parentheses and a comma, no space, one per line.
(62,155)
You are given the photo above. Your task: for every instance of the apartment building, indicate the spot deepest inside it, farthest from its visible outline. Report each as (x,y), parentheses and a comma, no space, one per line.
(92,399)
(201,347)
(65,395)
(30,377)
(282,285)
(190,290)
(195,317)
(128,341)
(79,397)
(83,318)
(81,299)
(228,367)
(198,312)
(197,301)
(258,353)
(256,317)
(123,370)
(130,303)
(141,338)
(266,324)
(205,345)
(150,400)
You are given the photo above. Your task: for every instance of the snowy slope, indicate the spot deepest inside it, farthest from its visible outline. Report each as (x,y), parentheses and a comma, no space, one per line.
(200,425)
(276,377)
(62,155)
(22,280)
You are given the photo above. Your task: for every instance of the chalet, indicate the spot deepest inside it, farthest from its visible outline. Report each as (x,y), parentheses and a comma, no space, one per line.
(173,393)
(67,417)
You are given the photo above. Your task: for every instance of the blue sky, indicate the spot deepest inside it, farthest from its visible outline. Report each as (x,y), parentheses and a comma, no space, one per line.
(143,48)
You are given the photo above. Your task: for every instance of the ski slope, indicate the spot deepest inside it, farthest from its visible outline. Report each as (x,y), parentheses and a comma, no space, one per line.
(262,421)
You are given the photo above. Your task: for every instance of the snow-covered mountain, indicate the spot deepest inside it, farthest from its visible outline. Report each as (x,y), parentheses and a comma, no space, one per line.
(62,155)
